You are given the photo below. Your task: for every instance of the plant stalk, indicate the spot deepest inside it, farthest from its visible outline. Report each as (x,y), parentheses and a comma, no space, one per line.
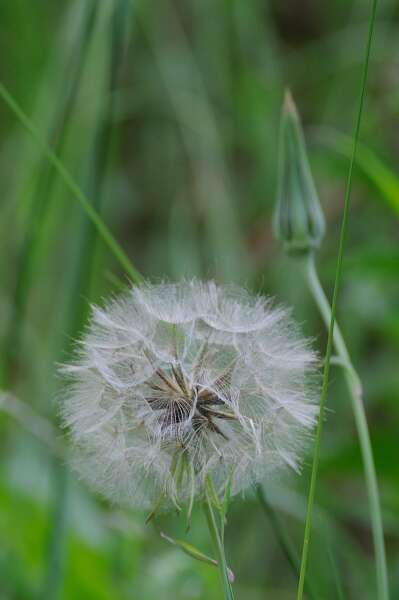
(356,394)
(219,548)
(380,564)
(82,287)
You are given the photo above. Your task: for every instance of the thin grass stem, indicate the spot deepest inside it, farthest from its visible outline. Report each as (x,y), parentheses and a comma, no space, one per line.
(356,394)
(103,137)
(73,187)
(219,547)
(382,584)
(336,575)
(81,287)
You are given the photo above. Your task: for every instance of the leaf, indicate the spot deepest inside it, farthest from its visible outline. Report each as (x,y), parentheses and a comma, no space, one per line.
(194,552)
(372,166)
(212,493)
(155,509)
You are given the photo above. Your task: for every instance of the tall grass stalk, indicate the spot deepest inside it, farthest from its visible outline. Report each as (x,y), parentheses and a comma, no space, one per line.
(41,197)
(81,288)
(102,229)
(359,414)
(104,132)
(355,390)
(218,544)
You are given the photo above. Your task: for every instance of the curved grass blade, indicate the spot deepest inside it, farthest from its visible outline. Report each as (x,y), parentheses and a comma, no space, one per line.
(371,165)
(73,187)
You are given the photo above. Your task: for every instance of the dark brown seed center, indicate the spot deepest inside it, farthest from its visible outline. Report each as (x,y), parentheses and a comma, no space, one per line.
(178,403)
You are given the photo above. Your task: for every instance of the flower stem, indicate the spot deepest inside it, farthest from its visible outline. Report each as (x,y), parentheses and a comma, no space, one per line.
(219,548)
(356,394)
(359,412)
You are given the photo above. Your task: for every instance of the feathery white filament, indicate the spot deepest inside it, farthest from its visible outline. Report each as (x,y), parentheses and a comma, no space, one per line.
(173,382)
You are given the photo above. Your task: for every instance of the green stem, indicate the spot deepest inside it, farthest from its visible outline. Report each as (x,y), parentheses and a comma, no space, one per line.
(381,568)
(219,548)
(81,288)
(355,390)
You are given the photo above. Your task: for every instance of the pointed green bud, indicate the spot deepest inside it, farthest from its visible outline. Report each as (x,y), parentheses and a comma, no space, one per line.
(298,219)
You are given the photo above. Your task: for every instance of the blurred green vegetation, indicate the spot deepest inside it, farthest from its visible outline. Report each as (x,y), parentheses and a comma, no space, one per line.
(167,116)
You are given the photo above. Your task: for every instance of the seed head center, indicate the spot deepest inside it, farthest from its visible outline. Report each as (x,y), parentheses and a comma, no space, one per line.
(186,407)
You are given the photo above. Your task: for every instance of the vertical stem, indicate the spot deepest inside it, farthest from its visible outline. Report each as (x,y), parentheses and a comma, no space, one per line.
(355,390)
(82,284)
(219,548)
(383,589)
(104,133)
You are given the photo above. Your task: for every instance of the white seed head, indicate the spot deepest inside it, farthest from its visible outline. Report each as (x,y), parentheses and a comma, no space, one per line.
(177,382)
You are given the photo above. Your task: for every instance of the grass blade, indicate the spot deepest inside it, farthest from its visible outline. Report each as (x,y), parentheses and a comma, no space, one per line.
(219,548)
(381,176)
(41,198)
(81,289)
(73,187)
(381,563)
(356,394)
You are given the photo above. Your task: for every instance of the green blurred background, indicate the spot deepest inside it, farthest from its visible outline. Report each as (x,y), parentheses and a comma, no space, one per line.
(166,113)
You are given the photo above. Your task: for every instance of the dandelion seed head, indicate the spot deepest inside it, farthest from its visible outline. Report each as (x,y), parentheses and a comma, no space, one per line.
(175,382)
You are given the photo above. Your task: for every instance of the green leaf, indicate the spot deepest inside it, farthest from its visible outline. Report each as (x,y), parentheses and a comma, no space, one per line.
(194,552)
(212,494)
(371,165)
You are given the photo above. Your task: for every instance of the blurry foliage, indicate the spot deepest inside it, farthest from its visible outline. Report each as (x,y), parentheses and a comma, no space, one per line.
(189,189)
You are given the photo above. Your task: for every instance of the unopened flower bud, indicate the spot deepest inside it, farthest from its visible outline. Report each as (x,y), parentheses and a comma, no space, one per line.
(298,219)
